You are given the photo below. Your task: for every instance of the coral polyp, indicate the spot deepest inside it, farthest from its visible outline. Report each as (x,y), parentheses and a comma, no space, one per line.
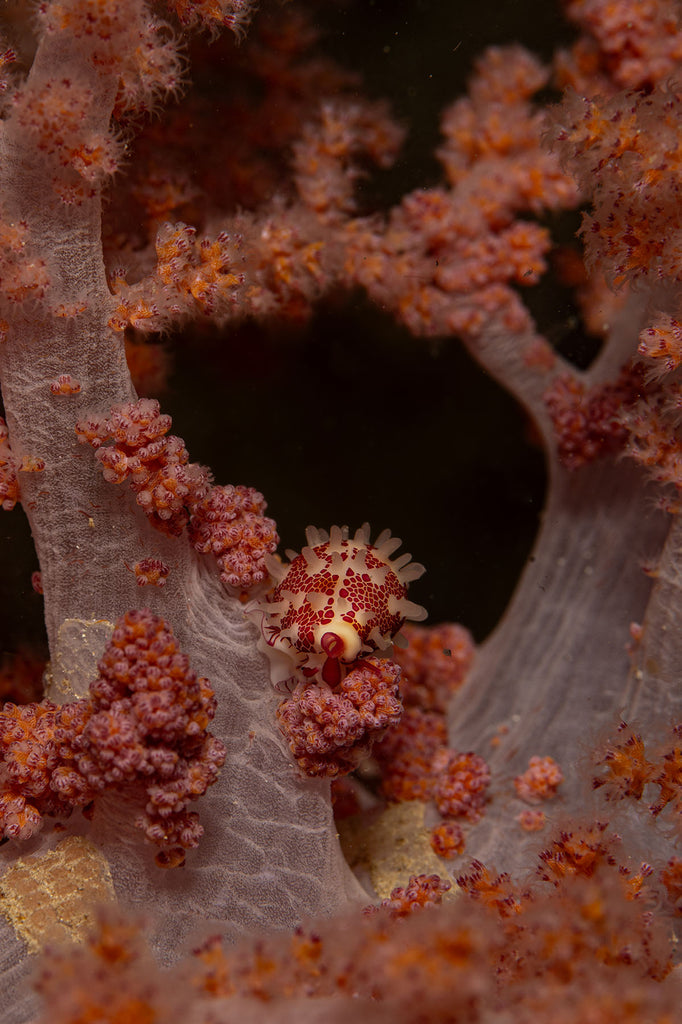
(339,600)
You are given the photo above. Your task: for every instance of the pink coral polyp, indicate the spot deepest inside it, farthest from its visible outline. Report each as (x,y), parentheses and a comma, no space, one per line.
(143,729)
(330,733)
(461,787)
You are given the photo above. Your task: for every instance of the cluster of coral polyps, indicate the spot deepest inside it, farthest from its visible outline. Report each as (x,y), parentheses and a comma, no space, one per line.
(583,940)
(143,730)
(331,731)
(328,628)
(415,762)
(133,444)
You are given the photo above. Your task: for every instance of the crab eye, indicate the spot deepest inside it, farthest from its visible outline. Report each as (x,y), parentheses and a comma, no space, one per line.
(332,645)
(341,642)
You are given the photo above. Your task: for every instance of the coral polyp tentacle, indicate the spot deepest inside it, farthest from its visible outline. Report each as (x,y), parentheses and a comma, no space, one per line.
(339,600)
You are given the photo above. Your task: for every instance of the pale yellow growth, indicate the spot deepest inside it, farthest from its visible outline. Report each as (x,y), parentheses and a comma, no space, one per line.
(50,897)
(80,645)
(394,846)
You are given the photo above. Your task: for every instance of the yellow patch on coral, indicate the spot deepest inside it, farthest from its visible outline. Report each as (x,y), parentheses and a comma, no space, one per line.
(50,897)
(391,847)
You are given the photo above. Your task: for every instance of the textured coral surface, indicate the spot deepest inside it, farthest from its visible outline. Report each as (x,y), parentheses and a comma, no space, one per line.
(200,185)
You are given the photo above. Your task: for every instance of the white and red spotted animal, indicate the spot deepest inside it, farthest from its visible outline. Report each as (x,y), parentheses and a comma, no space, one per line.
(339,600)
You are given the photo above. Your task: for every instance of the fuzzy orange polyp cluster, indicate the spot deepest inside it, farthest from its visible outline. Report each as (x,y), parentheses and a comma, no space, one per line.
(660,344)
(204,269)
(234,14)
(341,599)
(125,40)
(134,312)
(199,275)
(57,121)
(540,781)
(65,384)
(21,276)
(151,572)
(9,487)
